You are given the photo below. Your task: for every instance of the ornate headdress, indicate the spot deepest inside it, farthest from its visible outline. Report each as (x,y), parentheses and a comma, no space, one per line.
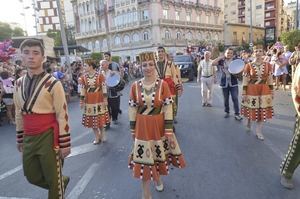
(147,56)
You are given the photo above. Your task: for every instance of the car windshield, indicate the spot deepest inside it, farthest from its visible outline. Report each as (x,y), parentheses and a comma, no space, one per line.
(182,59)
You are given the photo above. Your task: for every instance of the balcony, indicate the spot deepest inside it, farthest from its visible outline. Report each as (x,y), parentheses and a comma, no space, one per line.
(88,34)
(132,44)
(189,24)
(270,8)
(176,42)
(130,26)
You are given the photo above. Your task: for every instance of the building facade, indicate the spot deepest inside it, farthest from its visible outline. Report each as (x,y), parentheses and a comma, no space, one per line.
(47,14)
(237,34)
(128,27)
(265,13)
(290,10)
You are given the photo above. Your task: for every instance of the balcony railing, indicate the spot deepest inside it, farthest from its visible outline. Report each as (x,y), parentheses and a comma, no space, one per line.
(132,25)
(188,23)
(89,33)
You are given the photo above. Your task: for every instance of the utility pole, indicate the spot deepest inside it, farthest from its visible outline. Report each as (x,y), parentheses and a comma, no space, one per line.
(297,14)
(251,28)
(63,34)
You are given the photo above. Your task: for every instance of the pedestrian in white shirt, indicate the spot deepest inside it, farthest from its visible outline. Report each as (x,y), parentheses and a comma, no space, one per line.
(206,75)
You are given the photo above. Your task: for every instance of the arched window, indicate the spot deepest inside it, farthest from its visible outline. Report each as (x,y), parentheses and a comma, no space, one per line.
(97,45)
(90,46)
(117,40)
(135,37)
(134,12)
(104,44)
(146,36)
(83,8)
(126,39)
(216,37)
(189,36)
(178,35)
(200,37)
(208,36)
(167,34)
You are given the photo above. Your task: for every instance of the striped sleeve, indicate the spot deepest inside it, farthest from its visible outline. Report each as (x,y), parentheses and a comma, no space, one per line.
(132,109)
(62,117)
(18,112)
(246,78)
(81,83)
(167,103)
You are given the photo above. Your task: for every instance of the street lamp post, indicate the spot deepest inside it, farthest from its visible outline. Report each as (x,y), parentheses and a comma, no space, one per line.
(63,34)
(297,14)
(251,28)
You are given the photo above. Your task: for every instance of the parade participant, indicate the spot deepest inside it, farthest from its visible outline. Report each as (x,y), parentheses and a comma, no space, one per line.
(206,75)
(295,59)
(8,85)
(257,91)
(167,71)
(41,123)
(113,66)
(280,70)
(93,100)
(228,83)
(151,124)
(292,158)
(287,54)
(112,94)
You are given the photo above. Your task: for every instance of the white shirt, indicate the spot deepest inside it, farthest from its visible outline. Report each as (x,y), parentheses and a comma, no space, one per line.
(206,67)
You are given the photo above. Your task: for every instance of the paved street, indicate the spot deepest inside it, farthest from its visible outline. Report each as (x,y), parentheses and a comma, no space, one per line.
(223,160)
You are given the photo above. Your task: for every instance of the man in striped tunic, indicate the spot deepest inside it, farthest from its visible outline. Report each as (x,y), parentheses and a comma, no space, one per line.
(292,158)
(41,123)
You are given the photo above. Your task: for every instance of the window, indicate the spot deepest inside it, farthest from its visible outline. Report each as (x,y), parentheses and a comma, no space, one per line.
(188,16)
(136,37)
(234,36)
(146,36)
(268,14)
(189,36)
(178,35)
(104,45)
(167,34)
(258,7)
(145,14)
(267,23)
(87,7)
(165,14)
(126,39)
(97,45)
(177,15)
(198,18)
(117,40)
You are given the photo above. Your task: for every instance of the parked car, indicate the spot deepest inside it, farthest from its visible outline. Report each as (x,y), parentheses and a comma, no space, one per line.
(186,65)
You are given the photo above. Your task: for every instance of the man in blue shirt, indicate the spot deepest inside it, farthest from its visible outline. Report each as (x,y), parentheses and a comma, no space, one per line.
(228,83)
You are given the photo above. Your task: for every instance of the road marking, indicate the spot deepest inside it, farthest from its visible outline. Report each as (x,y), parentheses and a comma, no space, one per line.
(80,136)
(83,182)
(10,172)
(85,148)
(12,198)
(78,150)
(274,149)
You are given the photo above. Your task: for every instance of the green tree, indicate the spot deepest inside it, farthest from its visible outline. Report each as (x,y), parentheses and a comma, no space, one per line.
(291,39)
(97,57)
(55,34)
(17,32)
(70,34)
(5,31)
(116,59)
